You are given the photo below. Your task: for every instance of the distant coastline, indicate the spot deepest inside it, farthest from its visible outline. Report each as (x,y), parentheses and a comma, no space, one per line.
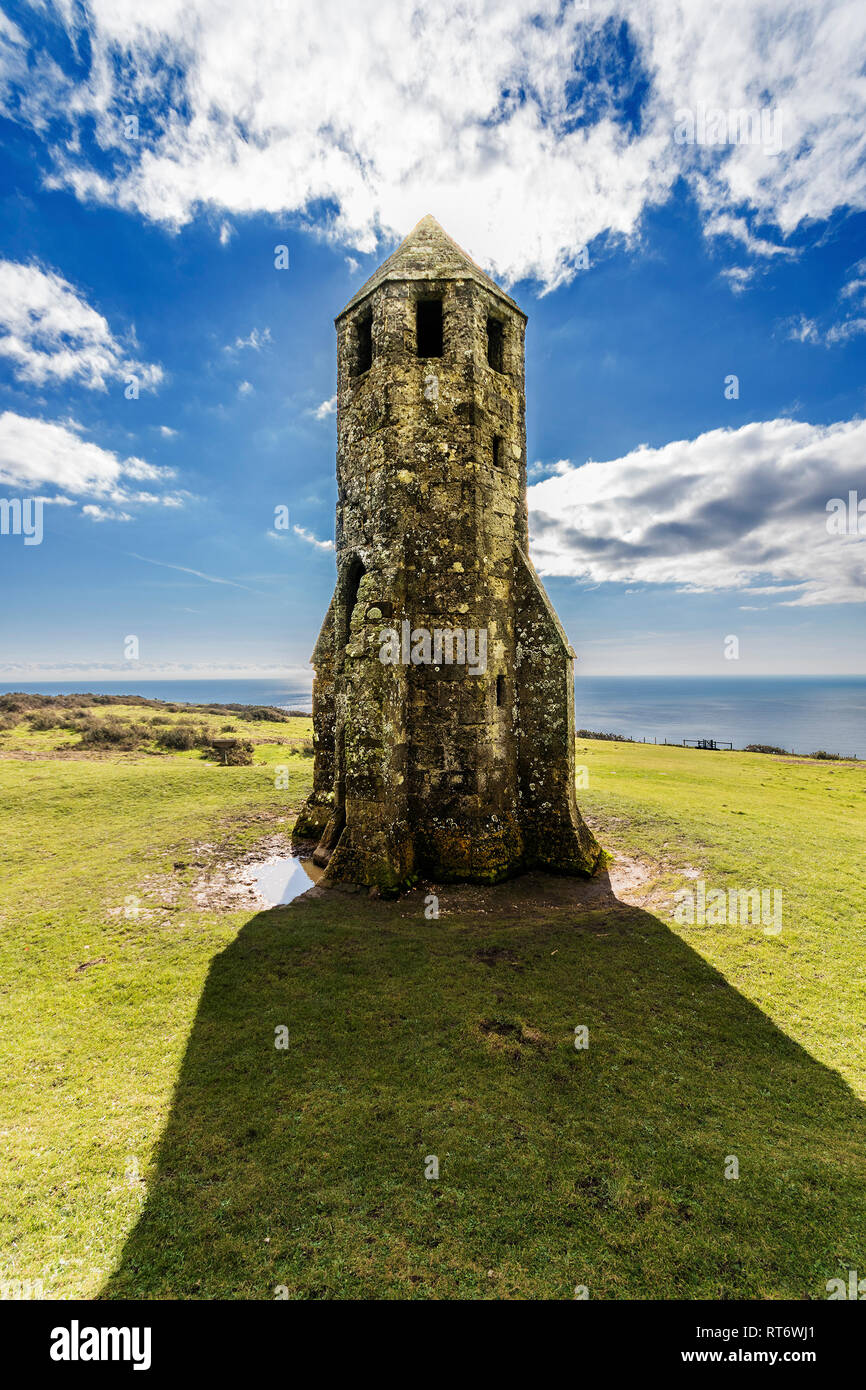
(799,713)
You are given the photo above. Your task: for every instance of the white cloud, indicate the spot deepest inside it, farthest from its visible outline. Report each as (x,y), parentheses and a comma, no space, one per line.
(167,432)
(737,228)
(327,408)
(803,329)
(851,302)
(255,340)
(738,509)
(49,333)
(848,328)
(277,108)
(739,277)
(97,513)
(311,539)
(35,453)
(245,388)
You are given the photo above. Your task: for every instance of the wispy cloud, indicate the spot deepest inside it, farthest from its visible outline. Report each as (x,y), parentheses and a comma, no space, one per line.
(255,340)
(846,321)
(50,335)
(185,569)
(97,513)
(311,539)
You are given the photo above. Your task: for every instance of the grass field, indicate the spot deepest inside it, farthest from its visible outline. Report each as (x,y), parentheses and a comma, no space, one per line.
(156,1142)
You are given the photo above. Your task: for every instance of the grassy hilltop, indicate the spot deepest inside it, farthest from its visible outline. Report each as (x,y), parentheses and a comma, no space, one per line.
(157,1143)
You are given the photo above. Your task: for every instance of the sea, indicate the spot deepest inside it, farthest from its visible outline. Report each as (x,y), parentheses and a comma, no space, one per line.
(801,714)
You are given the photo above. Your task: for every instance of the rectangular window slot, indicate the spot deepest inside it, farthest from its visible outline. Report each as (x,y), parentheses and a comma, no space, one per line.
(495,341)
(363,344)
(428,327)
(500,691)
(497,451)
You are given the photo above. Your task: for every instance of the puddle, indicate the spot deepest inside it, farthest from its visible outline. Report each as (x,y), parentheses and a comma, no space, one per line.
(278,881)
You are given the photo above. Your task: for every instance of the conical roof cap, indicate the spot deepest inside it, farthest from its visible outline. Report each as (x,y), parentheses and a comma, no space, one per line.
(428,253)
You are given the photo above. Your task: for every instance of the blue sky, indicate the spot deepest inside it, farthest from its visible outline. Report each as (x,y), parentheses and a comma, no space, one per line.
(665,516)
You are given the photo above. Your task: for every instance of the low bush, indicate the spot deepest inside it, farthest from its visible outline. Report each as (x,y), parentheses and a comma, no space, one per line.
(611,738)
(231,752)
(182,736)
(264,712)
(45,719)
(113,732)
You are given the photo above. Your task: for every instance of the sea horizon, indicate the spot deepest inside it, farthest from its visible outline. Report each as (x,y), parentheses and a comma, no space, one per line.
(802,714)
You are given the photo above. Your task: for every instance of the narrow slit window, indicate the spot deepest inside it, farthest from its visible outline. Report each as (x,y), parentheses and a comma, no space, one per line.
(354,576)
(500,691)
(363,344)
(428,327)
(495,341)
(497,451)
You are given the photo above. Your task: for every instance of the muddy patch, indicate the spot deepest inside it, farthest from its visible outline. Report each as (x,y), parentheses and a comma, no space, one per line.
(269,875)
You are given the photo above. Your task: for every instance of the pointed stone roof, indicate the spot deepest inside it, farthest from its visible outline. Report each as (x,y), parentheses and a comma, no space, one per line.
(428,253)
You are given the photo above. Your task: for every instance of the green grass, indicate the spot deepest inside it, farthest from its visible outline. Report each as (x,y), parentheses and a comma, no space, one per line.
(157,1144)
(747,820)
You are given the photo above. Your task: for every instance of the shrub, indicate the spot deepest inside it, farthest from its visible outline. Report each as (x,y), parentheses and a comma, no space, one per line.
(825,757)
(181,736)
(266,712)
(231,752)
(45,719)
(762,748)
(114,732)
(613,738)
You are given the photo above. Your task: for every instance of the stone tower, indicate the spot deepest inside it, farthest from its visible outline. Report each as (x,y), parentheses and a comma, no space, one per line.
(443,704)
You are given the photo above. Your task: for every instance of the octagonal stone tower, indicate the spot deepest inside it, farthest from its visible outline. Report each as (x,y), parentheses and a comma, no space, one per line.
(443,704)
